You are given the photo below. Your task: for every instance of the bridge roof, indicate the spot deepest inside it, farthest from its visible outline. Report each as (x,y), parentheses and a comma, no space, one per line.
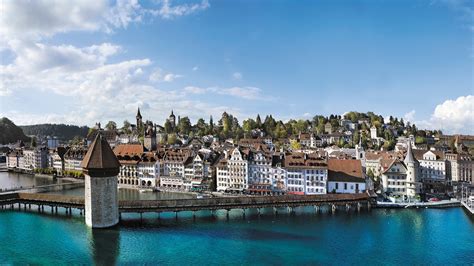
(100,160)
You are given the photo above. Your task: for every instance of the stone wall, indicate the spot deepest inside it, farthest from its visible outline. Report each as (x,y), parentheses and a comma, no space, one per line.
(101,202)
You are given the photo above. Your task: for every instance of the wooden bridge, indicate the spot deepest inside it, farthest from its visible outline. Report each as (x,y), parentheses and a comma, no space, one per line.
(333,201)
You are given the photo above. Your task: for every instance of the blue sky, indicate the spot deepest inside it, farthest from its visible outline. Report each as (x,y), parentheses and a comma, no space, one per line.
(292,59)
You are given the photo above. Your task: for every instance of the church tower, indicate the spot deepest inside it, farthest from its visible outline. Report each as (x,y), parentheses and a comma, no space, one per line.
(139,118)
(360,152)
(172,120)
(412,184)
(100,167)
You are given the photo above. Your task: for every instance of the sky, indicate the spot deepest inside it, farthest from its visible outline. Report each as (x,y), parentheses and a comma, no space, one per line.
(93,61)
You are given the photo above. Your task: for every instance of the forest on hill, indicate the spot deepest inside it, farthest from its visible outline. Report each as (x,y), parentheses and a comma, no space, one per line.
(10,133)
(61,131)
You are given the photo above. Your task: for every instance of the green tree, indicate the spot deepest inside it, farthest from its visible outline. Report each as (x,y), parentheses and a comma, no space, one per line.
(202,127)
(172,139)
(111,125)
(258,121)
(126,127)
(295,145)
(168,127)
(184,125)
(33,142)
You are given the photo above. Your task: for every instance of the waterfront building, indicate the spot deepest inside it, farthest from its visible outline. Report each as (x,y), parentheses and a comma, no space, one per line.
(238,170)
(260,174)
(222,174)
(73,158)
(460,167)
(129,155)
(13,158)
(173,162)
(197,170)
(413,180)
(35,158)
(278,174)
(378,161)
(394,178)
(432,169)
(345,176)
(100,167)
(148,170)
(306,173)
(401,178)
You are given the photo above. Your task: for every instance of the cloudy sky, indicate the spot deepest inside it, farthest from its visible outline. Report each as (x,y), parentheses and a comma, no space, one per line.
(90,61)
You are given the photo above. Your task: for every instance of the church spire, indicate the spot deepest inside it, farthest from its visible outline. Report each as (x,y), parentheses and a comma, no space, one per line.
(409,157)
(138,113)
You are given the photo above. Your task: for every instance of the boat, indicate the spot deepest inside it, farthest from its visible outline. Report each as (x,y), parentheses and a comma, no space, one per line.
(143,190)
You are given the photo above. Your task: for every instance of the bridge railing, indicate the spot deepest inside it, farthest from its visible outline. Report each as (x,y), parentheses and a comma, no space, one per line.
(51,198)
(241,201)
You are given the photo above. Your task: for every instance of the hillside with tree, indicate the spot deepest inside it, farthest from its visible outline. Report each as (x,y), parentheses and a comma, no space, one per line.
(10,133)
(61,131)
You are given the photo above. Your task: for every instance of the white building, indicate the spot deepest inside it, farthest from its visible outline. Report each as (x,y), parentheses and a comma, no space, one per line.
(373,132)
(402,178)
(73,158)
(345,176)
(432,166)
(260,172)
(222,175)
(35,158)
(306,174)
(238,166)
(148,170)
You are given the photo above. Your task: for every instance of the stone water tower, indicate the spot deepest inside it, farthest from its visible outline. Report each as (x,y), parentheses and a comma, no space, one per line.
(100,167)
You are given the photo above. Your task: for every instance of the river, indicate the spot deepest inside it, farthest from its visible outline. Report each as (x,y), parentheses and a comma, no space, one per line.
(379,236)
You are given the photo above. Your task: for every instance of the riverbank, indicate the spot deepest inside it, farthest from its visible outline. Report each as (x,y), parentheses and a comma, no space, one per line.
(436,204)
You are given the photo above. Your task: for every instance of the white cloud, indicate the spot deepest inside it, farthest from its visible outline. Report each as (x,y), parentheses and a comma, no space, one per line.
(249,93)
(124,13)
(101,90)
(237,75)
(456,115)
(452,116)
(22,19)
(195,90)
(196,68)
(159,76)
(171,77)
(167,11)
(410,116)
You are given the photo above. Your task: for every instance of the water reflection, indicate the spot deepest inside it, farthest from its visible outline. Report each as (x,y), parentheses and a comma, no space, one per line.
(10,180)
(105,245)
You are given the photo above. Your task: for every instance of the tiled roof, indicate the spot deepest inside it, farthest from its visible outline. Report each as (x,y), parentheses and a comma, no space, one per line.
(100,160)
(345,170)
(298,159)
(129,149)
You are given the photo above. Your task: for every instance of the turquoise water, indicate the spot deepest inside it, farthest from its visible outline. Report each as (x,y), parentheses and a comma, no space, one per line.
(388,237)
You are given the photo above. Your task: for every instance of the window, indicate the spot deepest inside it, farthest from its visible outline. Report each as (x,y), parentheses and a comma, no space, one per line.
(345,186)
(337,185)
